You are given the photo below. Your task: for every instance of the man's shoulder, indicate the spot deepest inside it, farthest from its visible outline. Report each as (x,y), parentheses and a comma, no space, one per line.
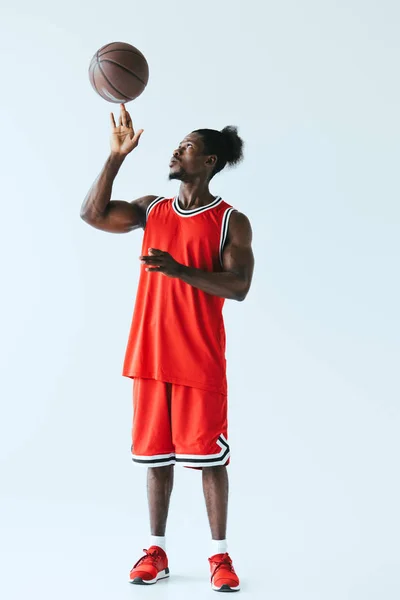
(239,225)
(156,203)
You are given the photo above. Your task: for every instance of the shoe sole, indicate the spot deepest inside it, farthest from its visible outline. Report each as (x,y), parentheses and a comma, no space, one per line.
(160,575)
(225,588)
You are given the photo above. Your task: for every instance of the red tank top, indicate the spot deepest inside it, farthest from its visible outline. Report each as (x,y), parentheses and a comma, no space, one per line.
(177,333)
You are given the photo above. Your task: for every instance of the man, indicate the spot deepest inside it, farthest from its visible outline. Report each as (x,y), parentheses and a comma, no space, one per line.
(196,252)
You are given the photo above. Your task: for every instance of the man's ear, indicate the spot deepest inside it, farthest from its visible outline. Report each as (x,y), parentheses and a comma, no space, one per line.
(211,160)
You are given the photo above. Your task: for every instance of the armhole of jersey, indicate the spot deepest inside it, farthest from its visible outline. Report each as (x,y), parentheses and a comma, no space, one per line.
(224,231)
(151,206)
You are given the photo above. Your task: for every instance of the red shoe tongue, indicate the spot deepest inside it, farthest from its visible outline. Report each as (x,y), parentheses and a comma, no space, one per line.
(218,557)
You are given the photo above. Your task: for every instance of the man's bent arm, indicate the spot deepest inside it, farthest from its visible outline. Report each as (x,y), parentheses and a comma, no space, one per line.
(238,264)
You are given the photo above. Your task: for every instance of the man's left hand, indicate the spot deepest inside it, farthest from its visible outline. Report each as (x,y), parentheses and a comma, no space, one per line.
(161,262)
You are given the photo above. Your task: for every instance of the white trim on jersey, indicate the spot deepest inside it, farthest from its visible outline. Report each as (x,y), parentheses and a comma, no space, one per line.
(206,460)
(222,443)
(157,460)
(194,211)
(214,463)
(144,463)
(224,230)
(152,205)
(187,460)
(154,456)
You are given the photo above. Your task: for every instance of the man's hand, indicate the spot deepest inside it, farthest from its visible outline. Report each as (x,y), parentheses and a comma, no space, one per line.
(161,262)
(123,137)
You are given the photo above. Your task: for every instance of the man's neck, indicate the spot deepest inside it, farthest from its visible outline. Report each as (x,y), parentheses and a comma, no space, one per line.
(194,195)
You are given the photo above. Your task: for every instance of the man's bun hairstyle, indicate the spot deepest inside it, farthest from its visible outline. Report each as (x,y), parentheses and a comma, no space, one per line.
(226,144)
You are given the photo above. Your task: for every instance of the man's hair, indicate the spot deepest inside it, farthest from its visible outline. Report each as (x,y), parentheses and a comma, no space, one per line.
(225,144)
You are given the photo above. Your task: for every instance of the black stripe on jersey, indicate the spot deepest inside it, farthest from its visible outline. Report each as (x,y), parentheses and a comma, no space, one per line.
(194,211)
(152,205)
(212,460)
(224,230)
(150,461)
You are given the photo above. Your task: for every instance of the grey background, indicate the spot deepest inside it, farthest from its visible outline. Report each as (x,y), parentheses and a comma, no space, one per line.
(313,352)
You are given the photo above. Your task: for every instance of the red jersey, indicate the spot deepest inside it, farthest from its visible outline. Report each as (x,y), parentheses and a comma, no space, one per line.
(177,333)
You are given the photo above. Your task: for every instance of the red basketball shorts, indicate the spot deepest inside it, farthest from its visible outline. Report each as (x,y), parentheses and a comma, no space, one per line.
(178,424)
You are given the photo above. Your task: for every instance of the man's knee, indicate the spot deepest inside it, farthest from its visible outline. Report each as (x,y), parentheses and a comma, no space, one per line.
(161,472)
(214,470)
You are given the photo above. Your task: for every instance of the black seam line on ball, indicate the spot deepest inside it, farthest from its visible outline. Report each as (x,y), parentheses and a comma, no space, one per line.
(138,53)
(109,60)
(93,78)
(109,82)
(92,67)
(106,46)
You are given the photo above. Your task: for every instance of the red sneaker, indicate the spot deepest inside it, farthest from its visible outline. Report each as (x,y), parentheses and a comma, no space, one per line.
(223,576)
(151,567)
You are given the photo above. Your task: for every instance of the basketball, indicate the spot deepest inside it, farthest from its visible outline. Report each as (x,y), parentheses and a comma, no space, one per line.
(118,72)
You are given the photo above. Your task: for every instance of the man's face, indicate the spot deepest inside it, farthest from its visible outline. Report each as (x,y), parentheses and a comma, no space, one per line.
(188,161)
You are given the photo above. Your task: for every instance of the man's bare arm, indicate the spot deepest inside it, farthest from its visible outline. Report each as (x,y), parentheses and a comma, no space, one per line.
(98,210)
(114,216)
(238,264)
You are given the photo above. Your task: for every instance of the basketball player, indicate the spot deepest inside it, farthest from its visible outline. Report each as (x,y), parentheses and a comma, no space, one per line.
(196,252)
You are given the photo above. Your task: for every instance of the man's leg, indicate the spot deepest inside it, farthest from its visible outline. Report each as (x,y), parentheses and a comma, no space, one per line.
(159,487)
(199,435)
(216,490)
(152,443)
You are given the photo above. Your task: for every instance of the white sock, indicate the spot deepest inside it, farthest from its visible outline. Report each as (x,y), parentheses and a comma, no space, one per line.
(156,540)
(219,547)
